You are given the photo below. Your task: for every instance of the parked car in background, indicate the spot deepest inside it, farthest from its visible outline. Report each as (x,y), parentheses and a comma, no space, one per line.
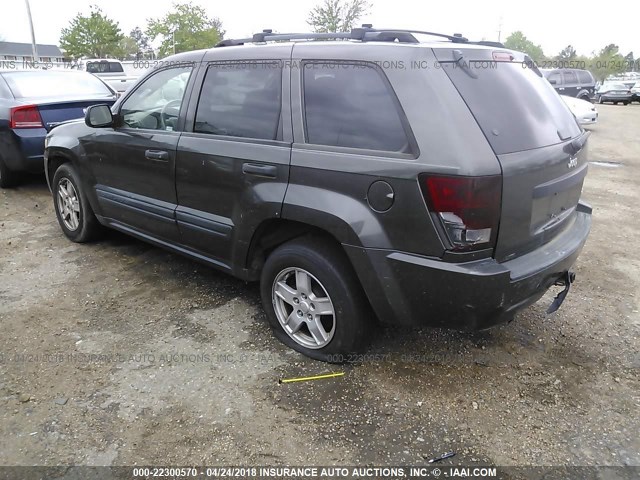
(585,112)
(572,82)
(445,197)
(627,78)
(34,102)
(635,92)
(109,70)
(614,92)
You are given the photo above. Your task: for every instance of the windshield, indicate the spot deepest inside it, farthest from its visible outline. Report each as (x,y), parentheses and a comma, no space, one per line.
(55,84)
(615,86)
(104,67)
(516,108)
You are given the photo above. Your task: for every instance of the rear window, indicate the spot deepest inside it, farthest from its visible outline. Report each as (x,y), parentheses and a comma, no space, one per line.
(515,108)
(104,67)
(53,84)
(4,90)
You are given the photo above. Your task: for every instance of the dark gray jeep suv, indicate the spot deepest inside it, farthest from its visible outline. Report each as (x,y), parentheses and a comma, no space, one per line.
(369,176)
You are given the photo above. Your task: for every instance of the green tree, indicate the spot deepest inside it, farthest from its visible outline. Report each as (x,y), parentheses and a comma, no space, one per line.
(607,62)
(337,15)
(567,53)
(186,28)
(142,41)
(630,62)
(128,48)
(94,36)
(517,41)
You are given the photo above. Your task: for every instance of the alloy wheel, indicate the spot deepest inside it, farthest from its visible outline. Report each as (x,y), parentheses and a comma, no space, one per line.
(68,204)
(303,308)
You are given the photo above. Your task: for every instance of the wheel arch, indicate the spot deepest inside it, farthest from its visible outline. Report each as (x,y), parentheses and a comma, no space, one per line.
(272,233)
(55,157)
(584,95)
(59,155)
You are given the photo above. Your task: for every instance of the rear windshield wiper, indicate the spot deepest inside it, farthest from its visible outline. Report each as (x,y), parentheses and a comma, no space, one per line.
(459,60)
(528,61)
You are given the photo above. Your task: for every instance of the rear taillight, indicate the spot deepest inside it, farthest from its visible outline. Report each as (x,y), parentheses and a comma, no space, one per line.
(26,116)
(468,208)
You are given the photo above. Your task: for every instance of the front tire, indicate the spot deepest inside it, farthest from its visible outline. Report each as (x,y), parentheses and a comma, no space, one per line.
(75,216)
(600,99)
(314,301)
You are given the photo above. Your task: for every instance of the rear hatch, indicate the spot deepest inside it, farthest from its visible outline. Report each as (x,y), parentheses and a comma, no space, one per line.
(537,140)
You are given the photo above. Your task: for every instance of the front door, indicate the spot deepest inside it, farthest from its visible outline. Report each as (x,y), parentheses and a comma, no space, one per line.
(135,182)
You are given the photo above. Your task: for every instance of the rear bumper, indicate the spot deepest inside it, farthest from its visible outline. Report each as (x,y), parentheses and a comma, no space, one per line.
(24,149)
(408,289)
(616,98)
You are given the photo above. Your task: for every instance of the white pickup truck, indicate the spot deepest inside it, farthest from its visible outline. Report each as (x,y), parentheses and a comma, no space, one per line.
(110,71)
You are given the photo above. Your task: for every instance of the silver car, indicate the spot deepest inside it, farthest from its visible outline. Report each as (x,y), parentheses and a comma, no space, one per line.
(613,92)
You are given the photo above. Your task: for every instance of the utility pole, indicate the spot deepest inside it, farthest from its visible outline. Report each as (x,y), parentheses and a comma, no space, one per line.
(500,28)
(34,48)
(174,41)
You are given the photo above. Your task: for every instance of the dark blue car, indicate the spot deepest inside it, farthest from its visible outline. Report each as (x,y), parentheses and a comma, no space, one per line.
(31,104)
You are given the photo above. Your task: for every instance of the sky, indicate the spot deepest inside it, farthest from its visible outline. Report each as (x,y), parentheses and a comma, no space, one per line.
(551,24)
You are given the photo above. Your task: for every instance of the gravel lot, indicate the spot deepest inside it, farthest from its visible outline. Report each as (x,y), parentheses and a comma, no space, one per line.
(119,353)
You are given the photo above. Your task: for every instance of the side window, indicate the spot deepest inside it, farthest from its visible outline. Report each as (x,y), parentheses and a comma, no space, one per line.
(115,67)
(241,100)
(155,104)
(570,78)
(352,105)
(556,77)
(584,77)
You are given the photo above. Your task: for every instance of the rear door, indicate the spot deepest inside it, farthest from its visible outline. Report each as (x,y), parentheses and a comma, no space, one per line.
(540,146)
(571,83)
(233,158)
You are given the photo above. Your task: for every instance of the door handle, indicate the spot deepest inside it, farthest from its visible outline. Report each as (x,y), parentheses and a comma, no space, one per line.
(156,155)
(261,170)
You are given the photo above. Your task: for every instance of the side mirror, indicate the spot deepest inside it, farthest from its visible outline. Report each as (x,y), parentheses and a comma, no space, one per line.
(99,116)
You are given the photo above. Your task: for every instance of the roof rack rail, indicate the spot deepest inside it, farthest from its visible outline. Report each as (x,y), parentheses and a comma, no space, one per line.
(230,42)
(366,33)
(489,43)
(367,28)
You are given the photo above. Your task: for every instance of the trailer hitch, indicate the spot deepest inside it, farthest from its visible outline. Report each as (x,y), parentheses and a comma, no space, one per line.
(565,281)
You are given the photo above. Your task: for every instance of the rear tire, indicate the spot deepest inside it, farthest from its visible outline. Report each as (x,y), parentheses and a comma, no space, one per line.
(75,216)
(307,276)
(615,103)
(625,103)
(8,178)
